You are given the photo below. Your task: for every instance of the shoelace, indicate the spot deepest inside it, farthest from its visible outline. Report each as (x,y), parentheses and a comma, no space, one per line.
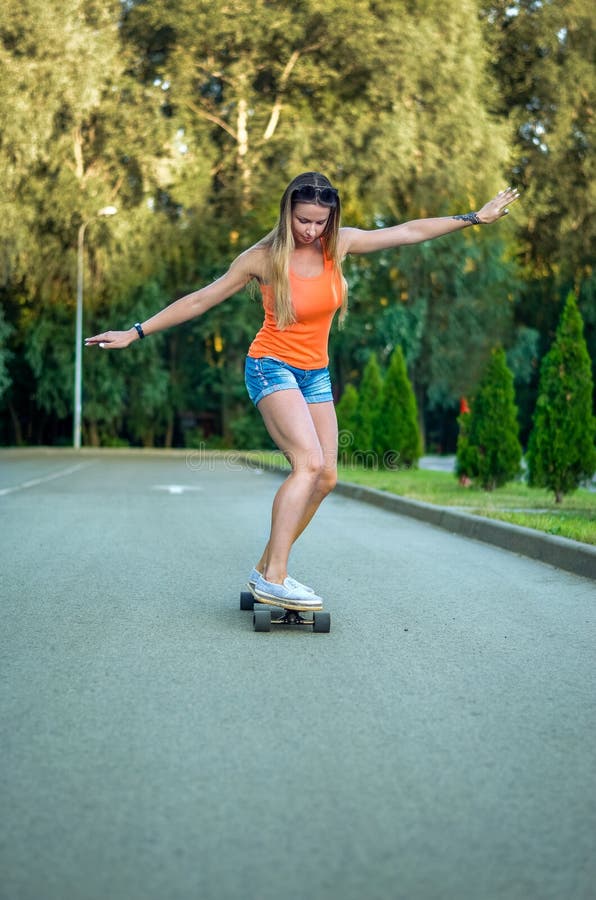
(297,585)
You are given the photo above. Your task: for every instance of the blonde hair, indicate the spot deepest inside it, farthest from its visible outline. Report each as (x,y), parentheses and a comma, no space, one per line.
(280,243)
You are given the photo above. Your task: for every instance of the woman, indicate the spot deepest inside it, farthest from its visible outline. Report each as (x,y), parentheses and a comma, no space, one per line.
(298,268)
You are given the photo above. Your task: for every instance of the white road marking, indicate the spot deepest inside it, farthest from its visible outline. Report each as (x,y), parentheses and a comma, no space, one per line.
(176,488)
(36,481)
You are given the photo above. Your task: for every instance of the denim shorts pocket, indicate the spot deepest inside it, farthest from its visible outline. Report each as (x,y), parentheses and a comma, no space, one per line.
(268,366)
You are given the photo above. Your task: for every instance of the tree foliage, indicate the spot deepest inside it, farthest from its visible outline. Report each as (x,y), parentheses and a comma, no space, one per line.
(5,355)
(542,57)
(366,418)
(398,437)
(561,452)
(489,447)
(346,411)
(191,117)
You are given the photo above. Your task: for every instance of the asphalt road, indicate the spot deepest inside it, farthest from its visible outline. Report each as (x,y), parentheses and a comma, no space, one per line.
(439,743)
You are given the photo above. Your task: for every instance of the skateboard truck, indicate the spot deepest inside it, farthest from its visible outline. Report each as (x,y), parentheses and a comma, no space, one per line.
(265,616)
(291,617)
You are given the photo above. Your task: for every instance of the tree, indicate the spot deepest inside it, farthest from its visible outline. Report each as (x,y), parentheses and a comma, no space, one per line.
(466,459)
(191,117)
(490,449)
(346,422)
(5,379)
(90,132)
(367,413)
(97,134)
(398,436)
(542,56)
(561,450)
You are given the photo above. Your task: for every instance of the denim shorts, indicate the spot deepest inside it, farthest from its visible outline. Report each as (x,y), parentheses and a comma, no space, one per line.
(266,375)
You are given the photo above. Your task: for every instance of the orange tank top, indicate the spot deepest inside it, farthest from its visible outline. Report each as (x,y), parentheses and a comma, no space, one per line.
(304,343)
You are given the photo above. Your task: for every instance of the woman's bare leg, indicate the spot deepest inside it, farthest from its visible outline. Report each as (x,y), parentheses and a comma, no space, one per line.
(307,434)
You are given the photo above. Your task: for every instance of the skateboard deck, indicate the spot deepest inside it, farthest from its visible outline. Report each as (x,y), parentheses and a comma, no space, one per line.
(268,613)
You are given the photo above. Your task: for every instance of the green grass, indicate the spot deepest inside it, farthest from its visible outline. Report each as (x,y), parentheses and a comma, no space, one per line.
(577,525)
(517,503)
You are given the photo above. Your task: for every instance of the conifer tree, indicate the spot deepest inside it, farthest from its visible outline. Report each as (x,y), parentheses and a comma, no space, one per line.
(466,460)
(561,450)
(367,412)
(490,449)
(346,422)
(398,438)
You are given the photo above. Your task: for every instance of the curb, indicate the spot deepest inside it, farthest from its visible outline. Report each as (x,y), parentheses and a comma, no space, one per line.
(563,553)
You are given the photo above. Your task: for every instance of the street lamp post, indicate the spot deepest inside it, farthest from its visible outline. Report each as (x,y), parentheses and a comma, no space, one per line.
(78,382)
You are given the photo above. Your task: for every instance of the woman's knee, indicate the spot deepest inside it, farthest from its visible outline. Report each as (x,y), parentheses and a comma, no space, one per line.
(327,480)
(314,466)
(309,463)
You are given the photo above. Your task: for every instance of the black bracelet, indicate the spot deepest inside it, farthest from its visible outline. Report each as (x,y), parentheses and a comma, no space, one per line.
(471,218)
(140,331)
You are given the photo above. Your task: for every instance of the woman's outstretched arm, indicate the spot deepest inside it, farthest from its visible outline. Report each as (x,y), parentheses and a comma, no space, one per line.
(357,240)
(242,270)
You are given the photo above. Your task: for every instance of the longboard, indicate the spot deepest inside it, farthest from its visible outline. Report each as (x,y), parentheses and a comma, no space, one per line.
(266,615)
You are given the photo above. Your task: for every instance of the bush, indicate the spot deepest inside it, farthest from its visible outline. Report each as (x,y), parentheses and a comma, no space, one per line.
(561,451)
(398,438)
(488,448)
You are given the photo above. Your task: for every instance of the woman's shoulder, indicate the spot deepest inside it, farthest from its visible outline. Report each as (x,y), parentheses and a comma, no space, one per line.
(255,262)
(345,239)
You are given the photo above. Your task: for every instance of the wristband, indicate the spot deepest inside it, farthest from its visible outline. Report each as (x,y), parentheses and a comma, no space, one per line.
(471,218)
(140,331)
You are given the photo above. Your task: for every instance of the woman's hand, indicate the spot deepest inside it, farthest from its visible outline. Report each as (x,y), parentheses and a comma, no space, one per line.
(113,340)
(497,207)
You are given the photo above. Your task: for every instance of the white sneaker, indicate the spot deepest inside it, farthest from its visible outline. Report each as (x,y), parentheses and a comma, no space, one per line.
(290,594)
(255,575)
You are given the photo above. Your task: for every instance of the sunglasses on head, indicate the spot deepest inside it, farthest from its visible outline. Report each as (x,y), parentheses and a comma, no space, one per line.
(308,193)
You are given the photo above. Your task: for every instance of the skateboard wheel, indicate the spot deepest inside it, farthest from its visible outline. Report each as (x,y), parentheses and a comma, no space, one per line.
(262,620)
(276,611)
(321,622)
(246,600)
